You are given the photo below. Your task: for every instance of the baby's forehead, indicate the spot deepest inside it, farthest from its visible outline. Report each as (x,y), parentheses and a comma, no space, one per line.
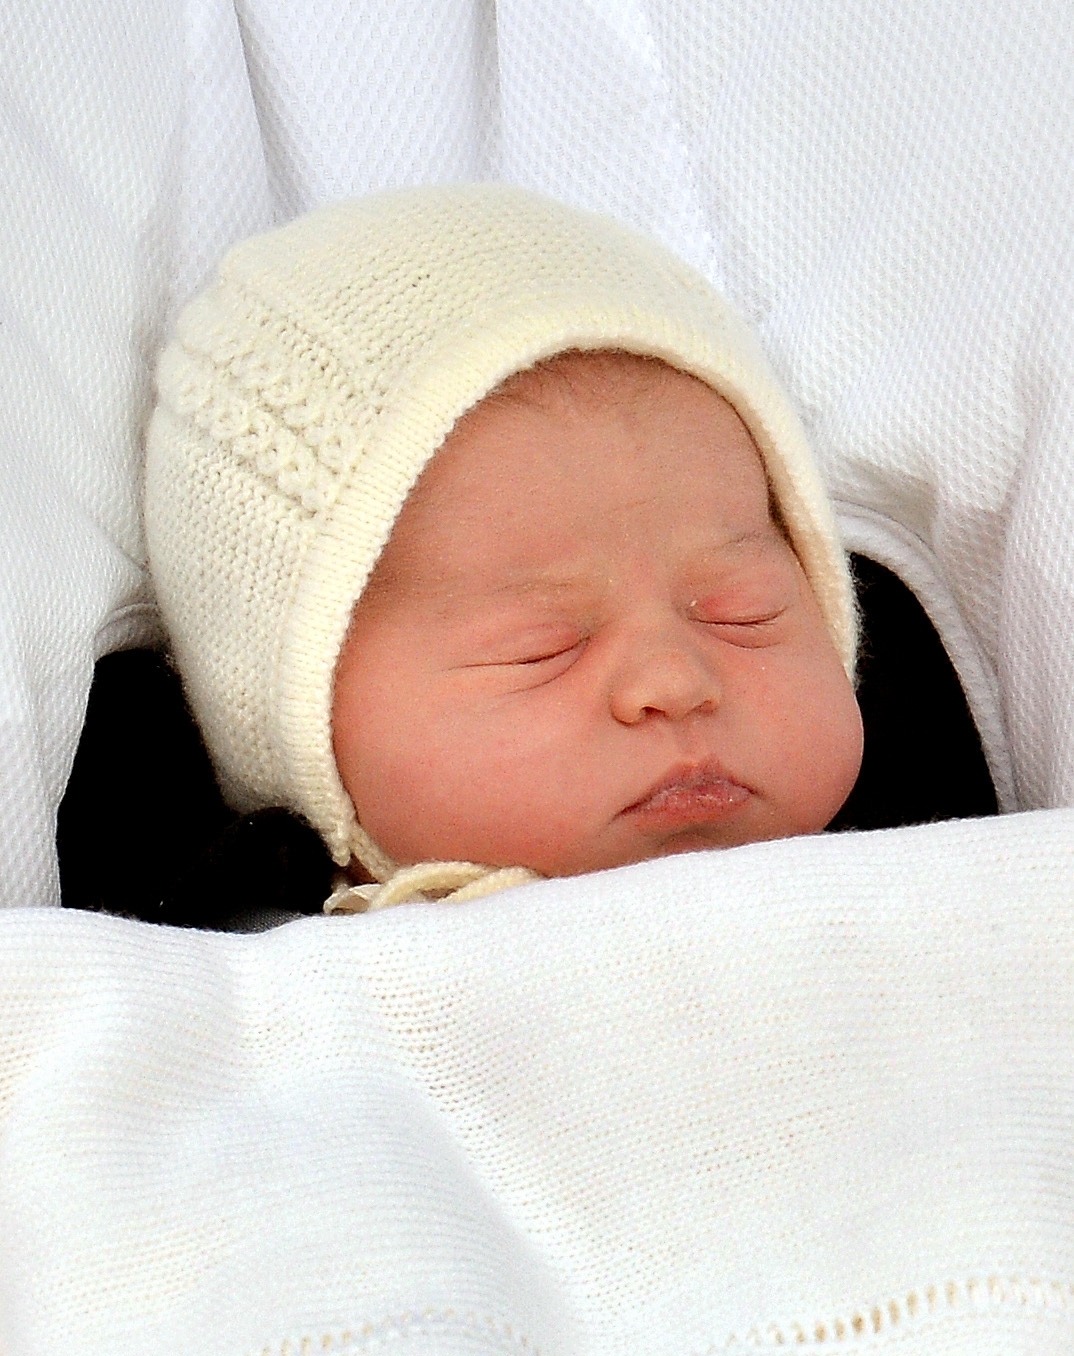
(598,389)
(587,453)
(584,386)
(565,408)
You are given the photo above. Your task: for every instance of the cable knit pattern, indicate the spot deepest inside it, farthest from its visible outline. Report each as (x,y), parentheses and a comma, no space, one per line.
(310,385)
(285,445)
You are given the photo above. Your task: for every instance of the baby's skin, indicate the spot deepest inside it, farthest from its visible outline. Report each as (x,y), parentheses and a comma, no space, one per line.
(589,641)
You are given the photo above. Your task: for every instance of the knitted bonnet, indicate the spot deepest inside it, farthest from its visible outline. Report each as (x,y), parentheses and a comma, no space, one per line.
(307,389)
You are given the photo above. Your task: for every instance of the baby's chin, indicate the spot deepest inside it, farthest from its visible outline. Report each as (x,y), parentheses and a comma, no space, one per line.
(670,830)
(586,858)
(693,838)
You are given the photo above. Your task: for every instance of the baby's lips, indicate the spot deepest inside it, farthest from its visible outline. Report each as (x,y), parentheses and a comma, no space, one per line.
(690,794)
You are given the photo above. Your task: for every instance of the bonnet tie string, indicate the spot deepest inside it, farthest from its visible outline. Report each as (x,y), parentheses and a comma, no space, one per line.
(452,882)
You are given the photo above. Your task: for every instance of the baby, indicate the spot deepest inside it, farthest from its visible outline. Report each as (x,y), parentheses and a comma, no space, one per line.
(487,541)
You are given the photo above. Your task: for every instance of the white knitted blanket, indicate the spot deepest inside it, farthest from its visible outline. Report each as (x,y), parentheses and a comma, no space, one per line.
(817,1095)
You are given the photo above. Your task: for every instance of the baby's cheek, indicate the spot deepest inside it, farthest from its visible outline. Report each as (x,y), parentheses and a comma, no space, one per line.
(834,757)
(424,789)
(807,729)
(507,793)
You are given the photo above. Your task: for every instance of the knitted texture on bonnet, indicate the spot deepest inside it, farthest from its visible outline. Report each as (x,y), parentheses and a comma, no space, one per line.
(308,388)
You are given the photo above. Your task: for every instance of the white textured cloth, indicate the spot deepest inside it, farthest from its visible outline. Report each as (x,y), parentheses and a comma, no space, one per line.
(817,1095)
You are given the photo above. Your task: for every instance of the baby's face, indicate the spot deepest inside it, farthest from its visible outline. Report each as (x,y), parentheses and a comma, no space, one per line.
(589,643)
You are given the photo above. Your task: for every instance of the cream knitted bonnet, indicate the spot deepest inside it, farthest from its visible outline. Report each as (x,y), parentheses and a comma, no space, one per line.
(307,389)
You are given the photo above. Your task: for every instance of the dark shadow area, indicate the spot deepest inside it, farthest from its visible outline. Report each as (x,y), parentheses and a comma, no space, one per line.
(143,830)
(923,757)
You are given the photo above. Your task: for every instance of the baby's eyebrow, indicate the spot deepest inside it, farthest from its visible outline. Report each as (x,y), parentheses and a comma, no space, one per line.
(754,545)
(530,586)
(555,586)
(759,536)
(447,587)
(449,592)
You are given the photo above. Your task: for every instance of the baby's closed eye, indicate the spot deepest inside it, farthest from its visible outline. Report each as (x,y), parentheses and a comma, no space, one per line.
(744,618)
(543,655)
(547,650)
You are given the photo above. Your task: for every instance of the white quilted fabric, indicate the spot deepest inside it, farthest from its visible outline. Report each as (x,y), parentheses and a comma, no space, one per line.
(822,1099)
(96,215)
(353,98)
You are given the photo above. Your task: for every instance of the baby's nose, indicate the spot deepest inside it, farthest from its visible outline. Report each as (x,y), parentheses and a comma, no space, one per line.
(664,676)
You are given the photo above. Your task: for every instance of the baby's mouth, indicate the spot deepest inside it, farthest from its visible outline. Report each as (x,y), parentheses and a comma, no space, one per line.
(690,794)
